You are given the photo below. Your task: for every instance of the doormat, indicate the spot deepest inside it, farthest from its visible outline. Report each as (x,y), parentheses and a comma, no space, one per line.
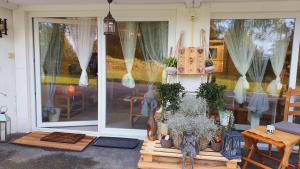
(34,139)
(114,142)
(63,137)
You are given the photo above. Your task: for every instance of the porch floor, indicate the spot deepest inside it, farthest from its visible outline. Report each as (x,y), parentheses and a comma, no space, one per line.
(22,157)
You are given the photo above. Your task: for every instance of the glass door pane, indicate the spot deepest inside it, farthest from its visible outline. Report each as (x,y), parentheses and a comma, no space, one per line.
(133,70)
(67,67)
(271,62)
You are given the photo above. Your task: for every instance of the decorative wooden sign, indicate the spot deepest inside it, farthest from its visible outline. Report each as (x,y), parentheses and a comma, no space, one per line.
(191,61)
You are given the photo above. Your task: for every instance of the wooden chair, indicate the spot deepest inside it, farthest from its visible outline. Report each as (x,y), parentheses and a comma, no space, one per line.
(252,139)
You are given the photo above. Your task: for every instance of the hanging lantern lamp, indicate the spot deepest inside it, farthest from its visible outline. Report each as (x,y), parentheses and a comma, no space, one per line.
(3,27)
(109,22)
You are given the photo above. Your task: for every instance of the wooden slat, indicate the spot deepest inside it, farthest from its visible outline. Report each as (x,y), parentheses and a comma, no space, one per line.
(297,104)
(294,113)
(153,156)
(33,139)
(256,163)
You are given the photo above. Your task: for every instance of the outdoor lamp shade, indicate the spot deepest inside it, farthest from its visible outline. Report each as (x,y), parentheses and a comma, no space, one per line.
(109,25)
(5,128)
(109,22)
(3,27)
(231,145)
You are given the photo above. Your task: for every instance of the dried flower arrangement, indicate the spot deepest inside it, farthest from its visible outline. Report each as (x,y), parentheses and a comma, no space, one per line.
(192,106)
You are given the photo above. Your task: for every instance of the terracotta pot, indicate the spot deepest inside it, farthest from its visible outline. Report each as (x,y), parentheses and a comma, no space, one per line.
(216,146)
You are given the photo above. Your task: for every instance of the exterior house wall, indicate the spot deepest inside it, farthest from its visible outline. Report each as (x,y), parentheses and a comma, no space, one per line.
(181,21)
(7,68)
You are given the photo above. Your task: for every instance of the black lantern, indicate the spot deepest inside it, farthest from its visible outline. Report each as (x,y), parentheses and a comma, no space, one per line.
(231,145)
(5,125)
(109,22)
(3,27)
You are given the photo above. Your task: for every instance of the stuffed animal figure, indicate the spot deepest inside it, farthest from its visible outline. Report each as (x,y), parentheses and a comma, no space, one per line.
(189,147)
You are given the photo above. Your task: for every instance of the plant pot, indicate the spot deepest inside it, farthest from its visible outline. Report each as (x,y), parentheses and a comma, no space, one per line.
(224,120)
(171,70)
(54,116)
(213,114)
(216,146)
(177,139)
(203,143)
(209,69)
(166,143)
(162,129)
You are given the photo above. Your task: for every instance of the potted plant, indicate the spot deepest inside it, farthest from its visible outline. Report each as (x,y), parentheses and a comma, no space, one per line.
(203,128)
(52,113)
(170,97)
(217,141)
(209,66)
(171,65)
(214,95)
(192,106)
(226,118)
(166,141)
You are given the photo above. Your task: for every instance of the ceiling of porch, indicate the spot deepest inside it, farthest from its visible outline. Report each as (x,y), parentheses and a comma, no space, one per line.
(187,2)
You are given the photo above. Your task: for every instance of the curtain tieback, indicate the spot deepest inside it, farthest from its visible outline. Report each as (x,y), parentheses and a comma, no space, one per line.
(245,82)
(128,80)
(84,80)
(278,83)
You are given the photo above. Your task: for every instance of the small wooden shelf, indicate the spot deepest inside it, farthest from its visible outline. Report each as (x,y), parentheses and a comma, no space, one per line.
(153,156)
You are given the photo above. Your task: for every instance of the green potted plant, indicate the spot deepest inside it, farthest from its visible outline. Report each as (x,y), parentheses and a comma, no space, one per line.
(217,141)
(171,65)
(203,128)
(170,97)
(209,66)
(214,95)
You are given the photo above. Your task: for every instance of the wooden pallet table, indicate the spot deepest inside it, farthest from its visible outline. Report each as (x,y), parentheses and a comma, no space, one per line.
(153,156)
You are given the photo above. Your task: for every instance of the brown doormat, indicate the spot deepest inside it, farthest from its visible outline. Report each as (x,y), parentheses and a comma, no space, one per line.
(34,139)
(63,137)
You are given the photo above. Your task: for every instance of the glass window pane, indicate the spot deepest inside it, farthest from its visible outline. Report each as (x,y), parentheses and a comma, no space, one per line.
(272,40)
(63,99)
(133,64)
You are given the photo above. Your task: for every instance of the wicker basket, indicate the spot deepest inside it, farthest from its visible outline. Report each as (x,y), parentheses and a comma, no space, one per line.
(177,139)
(203,143)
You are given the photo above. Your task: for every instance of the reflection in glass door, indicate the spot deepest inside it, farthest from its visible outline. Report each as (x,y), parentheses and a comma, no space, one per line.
(133,68)
(66,64)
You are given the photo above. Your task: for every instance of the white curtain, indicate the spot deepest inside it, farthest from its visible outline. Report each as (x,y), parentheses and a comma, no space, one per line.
(279,51)
(258,102)
(154,46)
(45,38)
(241,49)
(82,37)
(128,38)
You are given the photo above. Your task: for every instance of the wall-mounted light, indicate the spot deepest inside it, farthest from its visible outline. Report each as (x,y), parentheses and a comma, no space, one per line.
(3,27)
(109,22)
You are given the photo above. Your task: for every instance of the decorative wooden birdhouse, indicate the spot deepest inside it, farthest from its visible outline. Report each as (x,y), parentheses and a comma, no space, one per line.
(191,61)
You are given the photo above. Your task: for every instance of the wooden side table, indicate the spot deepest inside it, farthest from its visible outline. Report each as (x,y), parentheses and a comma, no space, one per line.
(251,140)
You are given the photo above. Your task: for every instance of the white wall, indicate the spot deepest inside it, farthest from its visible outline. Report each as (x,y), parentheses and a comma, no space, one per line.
(7,68)
(180,14)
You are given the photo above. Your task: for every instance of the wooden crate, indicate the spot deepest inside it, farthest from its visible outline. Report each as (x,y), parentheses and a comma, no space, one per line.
(153,156)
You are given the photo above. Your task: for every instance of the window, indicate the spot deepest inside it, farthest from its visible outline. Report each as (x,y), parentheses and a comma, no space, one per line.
(133,67)
(259,50)
(68,69)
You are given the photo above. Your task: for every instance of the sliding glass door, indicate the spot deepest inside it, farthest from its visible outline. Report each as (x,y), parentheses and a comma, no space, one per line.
(133,68)
(66,69)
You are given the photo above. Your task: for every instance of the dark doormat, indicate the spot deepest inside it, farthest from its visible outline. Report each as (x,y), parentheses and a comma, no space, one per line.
(59,137)
(114,142)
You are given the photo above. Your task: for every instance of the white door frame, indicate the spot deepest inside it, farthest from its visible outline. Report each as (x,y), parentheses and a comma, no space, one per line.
(147,15)
(122,132)
(270,15)
(40,122)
